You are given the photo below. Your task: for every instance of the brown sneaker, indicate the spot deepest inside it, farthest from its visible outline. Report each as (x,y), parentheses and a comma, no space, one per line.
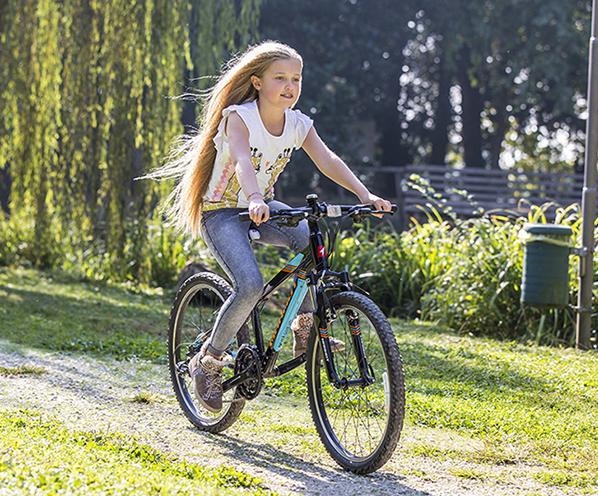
(301,327)
(206,372)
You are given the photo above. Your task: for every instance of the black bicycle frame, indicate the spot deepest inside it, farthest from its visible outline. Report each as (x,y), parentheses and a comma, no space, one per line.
(310,270)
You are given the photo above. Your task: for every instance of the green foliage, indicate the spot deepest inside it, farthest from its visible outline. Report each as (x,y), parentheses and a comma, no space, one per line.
(167,255)
(437,80)
(84,109)
(465,274)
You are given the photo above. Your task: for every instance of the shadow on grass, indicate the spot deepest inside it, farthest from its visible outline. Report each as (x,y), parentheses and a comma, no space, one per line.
(87,324)
(491,394)
(428,364)
(314,478)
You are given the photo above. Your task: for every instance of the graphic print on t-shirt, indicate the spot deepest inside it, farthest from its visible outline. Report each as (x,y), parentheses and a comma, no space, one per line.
(256,158)
(269,155)
(277,167)
(233,187)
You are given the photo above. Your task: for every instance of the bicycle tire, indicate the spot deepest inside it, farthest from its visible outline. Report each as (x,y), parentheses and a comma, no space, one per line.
(202,291)
(330,407)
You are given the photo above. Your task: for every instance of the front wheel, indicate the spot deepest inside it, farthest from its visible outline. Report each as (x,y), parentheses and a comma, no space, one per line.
(360,426)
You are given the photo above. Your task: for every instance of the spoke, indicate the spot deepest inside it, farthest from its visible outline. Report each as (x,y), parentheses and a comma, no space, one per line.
(192,322)
(336,414)
(368,417)
(360,419)
(345,428)
(376,418)
(367,421)
(357,437)
(349,410)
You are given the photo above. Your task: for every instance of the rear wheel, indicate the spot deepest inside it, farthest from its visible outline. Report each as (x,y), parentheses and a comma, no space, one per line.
(360,426)
(192,319)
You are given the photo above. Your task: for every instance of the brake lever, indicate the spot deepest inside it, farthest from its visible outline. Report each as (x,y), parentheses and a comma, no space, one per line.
(392,211)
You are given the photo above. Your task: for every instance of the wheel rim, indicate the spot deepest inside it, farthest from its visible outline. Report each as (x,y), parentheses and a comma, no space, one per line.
(193,323)
(355,420)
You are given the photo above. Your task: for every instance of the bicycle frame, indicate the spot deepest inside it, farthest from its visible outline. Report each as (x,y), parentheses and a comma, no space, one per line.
(310,269)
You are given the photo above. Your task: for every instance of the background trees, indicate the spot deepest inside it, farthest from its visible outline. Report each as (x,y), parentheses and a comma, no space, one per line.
(447,80)
(87,103)
(85,106)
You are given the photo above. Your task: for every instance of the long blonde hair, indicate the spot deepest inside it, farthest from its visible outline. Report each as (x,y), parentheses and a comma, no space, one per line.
(192,156)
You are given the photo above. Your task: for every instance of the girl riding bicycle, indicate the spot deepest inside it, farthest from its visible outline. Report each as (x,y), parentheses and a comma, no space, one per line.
(248,132)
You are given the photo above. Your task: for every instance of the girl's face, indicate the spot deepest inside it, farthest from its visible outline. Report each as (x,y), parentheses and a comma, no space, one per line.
(280,84)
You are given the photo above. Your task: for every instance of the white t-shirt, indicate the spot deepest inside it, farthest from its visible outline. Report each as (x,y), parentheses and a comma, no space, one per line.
(269,155)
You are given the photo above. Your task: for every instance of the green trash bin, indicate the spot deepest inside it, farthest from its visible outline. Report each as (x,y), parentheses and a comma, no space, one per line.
(545,265)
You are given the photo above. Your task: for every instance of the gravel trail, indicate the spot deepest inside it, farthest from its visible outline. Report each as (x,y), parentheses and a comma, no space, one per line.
(274,439)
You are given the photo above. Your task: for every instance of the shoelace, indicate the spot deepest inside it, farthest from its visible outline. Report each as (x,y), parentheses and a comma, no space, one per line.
(213,380)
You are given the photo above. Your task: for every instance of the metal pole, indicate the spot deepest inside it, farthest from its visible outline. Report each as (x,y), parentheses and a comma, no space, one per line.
(588,199)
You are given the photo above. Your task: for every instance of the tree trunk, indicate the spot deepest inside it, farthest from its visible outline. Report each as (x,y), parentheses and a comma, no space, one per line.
(472,105)
(393,150)
(440,138)
(500,126)
(5,186)
(188,107)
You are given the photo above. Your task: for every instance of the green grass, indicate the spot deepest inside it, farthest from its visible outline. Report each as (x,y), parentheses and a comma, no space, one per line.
(146,398)
(564,478)
(21,370)
(482,401)
(39,455)
(539,403)
(57,312)
(468,473)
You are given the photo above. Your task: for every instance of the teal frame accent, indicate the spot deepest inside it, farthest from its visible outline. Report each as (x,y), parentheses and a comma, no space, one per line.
(296,260)
(299,293)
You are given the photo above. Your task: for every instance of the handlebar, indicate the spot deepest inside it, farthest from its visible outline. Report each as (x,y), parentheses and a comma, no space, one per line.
(318,210)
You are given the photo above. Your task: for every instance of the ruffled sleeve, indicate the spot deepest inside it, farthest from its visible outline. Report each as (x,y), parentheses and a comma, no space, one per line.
(302,126)
(221,139)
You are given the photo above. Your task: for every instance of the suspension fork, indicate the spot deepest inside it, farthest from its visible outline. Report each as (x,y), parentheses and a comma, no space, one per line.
(364,369)
(323,334)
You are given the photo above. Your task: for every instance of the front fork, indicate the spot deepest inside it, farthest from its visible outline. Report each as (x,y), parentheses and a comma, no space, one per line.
(326,314)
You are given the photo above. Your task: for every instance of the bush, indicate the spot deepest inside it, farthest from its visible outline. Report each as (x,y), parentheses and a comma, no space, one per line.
(462,273)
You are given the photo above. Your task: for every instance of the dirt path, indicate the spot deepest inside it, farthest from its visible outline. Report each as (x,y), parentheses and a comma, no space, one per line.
(274,440)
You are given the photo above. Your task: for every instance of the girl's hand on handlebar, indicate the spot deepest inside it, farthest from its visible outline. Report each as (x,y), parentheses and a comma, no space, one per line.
(258,211)
(377,202)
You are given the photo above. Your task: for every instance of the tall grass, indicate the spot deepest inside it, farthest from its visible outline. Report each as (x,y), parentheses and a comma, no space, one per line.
(464,273)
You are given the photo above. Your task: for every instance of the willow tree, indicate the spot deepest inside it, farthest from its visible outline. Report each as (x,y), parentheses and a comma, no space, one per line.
(86,105)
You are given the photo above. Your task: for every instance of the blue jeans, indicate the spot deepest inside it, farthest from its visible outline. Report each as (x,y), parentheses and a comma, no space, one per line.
(228,240)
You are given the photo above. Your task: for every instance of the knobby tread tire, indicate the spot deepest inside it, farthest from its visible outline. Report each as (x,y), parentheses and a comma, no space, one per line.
(396,379)
(224,288)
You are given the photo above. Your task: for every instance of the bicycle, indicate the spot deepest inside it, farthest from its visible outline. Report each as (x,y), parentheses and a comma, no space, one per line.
(356,396)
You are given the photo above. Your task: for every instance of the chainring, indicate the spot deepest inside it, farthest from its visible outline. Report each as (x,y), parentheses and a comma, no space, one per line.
(248,362)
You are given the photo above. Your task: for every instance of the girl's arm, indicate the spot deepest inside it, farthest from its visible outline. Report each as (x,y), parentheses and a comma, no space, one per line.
(238,139)
(334,168)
